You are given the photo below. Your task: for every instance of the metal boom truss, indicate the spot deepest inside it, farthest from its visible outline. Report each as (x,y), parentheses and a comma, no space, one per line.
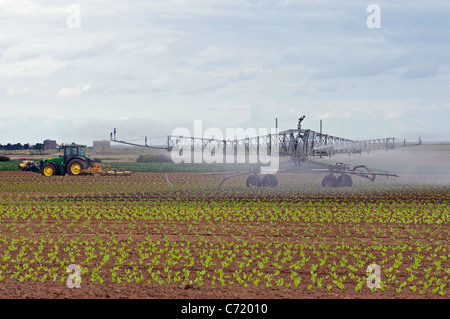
(298,144)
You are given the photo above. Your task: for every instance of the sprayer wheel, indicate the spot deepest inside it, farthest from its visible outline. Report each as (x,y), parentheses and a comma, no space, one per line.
(253,181)
(345,180)
(329,181)
(270,180)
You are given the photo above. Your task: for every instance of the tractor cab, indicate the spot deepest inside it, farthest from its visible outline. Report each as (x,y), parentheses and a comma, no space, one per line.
(73,150)
(75,159)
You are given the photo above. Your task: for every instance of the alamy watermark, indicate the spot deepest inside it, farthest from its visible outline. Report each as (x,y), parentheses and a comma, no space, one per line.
(373,276)
(74,19)
(374,19)
(74,279)
(235,146)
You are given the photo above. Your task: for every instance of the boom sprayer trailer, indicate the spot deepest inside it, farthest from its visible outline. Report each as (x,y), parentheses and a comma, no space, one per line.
(296,145)
(73,162)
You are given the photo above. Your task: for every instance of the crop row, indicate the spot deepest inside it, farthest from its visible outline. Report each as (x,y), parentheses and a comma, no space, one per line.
(305,244)
(226,262)
(202,185)
(298,236)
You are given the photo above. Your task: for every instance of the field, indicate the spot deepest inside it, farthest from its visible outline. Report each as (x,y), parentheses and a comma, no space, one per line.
(135,237)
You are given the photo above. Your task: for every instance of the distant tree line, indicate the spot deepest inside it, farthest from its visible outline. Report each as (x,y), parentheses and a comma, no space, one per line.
(19,146)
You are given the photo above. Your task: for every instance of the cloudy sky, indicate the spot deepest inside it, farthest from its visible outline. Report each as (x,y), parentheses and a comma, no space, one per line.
(72,71)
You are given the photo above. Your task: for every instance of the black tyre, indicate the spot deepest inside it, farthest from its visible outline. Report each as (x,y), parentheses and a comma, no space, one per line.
(270,180)
(345,180)
(329,181)
(49,169)
(75,166)
(253,181)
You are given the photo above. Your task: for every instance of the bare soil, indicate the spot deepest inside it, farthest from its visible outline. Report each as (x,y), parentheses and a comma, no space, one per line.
(227,232)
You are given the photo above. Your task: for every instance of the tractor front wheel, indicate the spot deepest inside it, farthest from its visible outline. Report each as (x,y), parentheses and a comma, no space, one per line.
(75,166)
(49,169)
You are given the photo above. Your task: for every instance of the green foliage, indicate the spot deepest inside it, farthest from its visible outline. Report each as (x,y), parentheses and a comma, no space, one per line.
(180,168)
(154,158)
(12,165)
(136,230)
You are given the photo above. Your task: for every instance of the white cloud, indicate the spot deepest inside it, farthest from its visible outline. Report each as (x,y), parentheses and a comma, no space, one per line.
(17,90)
(71,92)
(392,115)
(29,8)
(237,61)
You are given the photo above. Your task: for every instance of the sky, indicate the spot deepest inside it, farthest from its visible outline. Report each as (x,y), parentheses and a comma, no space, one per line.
(73,71)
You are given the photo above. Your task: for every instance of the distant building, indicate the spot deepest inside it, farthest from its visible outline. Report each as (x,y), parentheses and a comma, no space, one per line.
(49,144)
(101,146)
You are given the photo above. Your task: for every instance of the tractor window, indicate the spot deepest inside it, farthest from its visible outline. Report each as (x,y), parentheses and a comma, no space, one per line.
(69,152)
(74,151)
(81,151)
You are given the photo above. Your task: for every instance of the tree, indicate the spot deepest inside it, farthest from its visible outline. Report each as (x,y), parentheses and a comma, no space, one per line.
(17,146)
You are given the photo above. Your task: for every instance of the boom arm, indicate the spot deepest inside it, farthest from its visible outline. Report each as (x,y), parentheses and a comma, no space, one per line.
(297,143)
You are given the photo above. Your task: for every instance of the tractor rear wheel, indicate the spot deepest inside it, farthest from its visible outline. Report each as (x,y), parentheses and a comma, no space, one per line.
(49,169)
(329,181)
(75,166)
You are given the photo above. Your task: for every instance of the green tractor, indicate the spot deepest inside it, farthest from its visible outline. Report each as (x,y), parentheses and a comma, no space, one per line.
(74,161)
